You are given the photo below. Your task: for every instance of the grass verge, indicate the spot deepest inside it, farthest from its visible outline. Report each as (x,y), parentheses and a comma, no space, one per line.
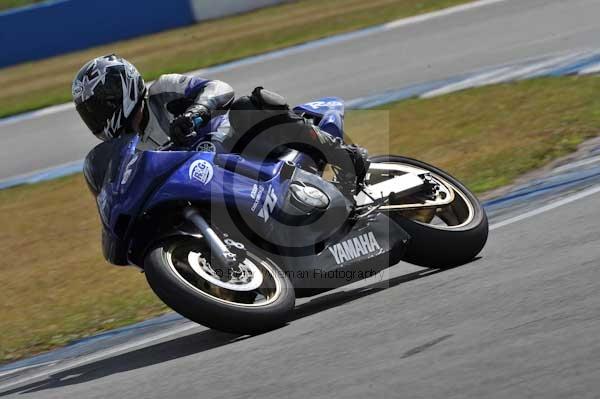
(38,84)
(7,4)
(56,286)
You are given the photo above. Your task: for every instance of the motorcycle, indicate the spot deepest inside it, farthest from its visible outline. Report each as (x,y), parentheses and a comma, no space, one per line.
(229,241)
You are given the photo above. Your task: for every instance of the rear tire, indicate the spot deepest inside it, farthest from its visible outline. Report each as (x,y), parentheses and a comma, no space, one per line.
(207,308)
(437,247)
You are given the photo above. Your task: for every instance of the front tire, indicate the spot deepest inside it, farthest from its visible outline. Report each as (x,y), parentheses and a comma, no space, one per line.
(440,246)
(224,309)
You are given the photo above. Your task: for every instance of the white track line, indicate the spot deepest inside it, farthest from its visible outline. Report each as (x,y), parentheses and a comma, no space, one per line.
(54,109)
(102,354)
(546,208)
(37,172)
(189,326)
(335,39)
(576,165)
(9,372)
(590,69)
(441,13)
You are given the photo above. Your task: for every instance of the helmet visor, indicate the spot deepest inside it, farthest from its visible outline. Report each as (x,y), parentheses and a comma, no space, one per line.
(98,117)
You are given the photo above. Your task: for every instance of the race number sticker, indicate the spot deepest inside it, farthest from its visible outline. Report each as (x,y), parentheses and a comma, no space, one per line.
(202,171)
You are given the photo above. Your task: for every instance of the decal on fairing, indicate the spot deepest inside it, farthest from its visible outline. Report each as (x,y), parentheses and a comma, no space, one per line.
(256,195)
(322,104)
(268,205)
(129,169)
(206,146)
(102,202)
(364,244)
(201,170)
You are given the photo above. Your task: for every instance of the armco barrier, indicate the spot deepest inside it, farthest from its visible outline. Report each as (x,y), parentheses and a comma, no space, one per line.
(57,27)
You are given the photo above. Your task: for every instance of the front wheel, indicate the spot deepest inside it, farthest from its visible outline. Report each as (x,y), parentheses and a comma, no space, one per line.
(180,274)
(443,235)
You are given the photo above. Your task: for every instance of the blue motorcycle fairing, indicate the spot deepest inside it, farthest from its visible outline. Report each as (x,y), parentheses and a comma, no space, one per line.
(321,106)
(138,182)
(329,111)
(249,168)
(131,177)
(123,190)
(197,179)
(207,177)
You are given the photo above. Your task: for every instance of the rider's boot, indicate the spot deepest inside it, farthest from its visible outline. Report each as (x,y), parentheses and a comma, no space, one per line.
(351,159)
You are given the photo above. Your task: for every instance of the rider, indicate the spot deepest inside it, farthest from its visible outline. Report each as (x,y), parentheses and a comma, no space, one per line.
(111,97)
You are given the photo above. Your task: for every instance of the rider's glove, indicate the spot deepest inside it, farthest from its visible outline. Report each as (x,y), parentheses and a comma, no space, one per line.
(183,128)
(360,159)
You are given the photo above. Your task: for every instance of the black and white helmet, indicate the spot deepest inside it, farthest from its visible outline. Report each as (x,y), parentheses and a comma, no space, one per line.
(107,92)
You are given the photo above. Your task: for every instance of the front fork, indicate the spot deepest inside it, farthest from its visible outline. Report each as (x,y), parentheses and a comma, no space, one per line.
(219,250)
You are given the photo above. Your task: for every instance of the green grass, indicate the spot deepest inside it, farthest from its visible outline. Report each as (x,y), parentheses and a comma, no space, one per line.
(57,287)
(38,84)
(6,4)
(488,136)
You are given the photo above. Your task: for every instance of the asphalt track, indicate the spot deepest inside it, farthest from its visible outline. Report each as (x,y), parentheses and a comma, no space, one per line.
(521,321)
(397,56)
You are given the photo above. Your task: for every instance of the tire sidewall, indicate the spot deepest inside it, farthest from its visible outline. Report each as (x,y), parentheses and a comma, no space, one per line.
(201,308)
(442,248)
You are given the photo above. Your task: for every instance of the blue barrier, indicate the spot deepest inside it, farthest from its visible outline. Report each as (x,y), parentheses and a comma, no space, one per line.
(57,27)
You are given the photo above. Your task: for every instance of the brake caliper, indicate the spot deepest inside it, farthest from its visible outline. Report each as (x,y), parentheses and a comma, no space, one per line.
(431,188)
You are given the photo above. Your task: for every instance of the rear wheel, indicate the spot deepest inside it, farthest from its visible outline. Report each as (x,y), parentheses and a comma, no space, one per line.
(444,234)
(258,299)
